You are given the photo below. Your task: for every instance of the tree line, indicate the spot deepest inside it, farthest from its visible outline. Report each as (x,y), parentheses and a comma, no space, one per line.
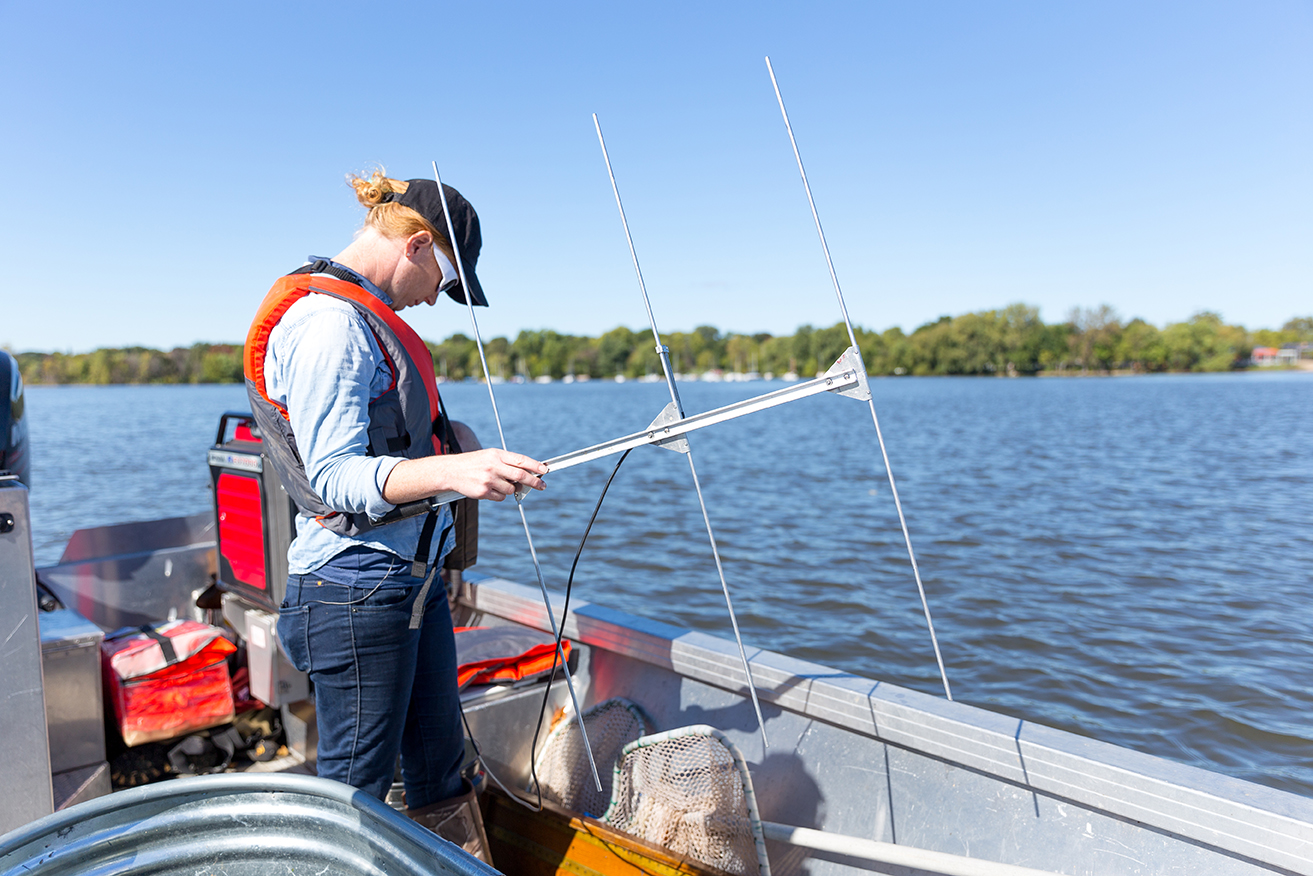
(199,363)
(1012,340)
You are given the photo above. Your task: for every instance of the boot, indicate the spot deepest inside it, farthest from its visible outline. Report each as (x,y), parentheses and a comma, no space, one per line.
(457,820)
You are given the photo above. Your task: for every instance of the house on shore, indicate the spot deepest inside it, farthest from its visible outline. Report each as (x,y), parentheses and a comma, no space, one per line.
(1288,355)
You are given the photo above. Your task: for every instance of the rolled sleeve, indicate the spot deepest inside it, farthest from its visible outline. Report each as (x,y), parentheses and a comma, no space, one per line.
(385,466)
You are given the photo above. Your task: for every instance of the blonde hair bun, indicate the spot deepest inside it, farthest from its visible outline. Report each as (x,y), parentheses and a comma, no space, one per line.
(389,218)
(371,190)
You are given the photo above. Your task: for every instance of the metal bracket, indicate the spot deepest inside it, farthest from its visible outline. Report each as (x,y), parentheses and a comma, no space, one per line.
(851,361)
(661,426)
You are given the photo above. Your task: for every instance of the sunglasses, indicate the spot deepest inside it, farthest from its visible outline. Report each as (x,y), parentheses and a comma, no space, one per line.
(450,276)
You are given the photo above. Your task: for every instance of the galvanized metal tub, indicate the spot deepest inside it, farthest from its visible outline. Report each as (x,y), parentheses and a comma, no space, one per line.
(236,824)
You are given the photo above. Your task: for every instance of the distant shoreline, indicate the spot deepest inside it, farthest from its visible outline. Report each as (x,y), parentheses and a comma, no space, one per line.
(1011,342)
(1303,367)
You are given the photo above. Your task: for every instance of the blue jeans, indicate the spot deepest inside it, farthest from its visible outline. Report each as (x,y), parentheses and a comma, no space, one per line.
(380,687)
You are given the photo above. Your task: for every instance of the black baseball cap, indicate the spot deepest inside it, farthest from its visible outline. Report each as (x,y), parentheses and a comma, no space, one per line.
(422,196)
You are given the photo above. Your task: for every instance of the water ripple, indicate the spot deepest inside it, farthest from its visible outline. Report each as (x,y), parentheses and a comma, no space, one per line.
(1128,559)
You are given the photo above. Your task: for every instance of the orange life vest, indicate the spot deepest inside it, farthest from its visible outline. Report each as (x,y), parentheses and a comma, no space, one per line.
(407,420)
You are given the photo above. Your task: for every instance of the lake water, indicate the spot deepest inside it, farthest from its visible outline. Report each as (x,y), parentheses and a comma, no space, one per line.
(1126,558)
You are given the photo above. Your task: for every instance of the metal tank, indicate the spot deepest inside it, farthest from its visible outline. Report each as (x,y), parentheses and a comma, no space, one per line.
(237,824)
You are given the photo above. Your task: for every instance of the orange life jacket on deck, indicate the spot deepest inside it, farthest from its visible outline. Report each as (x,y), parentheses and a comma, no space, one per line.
(407,420)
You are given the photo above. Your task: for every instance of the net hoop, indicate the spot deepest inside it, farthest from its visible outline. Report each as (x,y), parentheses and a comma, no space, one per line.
(616,817)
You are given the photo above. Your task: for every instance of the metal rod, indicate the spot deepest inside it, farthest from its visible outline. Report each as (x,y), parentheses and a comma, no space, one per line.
(889,853)
(843,308)
(664,353)
(533,554)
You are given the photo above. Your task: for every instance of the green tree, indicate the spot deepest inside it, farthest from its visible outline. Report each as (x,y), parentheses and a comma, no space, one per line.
(776,354)
(828,344)
(613,351)
(1141,347)
(453,358)
(500,361)
(1204,343)
(1301,327)
(1094,337)
(222,365)
(931,347)
(802,356)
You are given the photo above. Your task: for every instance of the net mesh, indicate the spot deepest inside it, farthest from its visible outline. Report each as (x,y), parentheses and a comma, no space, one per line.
(562,765)
(689,791)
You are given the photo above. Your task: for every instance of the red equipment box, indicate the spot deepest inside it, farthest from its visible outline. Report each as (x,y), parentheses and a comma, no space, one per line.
(167,679)
(256,518)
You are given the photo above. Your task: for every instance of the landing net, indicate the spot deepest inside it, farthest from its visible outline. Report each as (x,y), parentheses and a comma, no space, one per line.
(689,791)
(562,765)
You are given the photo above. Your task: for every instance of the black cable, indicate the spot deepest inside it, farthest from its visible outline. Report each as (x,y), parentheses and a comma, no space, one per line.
(560,633)
(556,653)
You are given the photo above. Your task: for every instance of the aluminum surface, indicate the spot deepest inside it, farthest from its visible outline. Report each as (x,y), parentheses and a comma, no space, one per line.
(136,573)
(81,784)
(669,414)
(502,721)
(70,662)
(236,824)
(274,680)
(873,760)
(24,751)
(892,853)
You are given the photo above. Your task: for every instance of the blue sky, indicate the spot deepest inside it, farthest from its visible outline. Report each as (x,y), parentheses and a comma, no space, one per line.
(167,161)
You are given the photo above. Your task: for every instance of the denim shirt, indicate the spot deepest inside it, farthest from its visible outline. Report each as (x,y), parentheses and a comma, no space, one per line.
(324,365)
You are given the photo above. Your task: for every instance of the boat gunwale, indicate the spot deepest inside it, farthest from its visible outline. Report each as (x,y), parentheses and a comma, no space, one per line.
(1236,816)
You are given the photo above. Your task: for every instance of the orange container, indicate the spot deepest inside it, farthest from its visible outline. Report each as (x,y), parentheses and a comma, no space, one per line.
(167,680)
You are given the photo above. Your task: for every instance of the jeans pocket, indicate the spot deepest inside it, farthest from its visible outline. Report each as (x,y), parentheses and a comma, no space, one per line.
(293,635)
(385,597)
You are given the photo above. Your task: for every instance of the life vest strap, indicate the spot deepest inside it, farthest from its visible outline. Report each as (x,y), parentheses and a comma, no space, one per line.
(421,562)
(321,266)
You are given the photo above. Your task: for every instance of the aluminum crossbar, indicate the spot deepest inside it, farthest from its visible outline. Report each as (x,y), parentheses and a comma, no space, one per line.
(845,377)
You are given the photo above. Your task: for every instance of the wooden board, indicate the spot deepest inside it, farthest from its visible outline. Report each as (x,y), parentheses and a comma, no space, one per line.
(555,841)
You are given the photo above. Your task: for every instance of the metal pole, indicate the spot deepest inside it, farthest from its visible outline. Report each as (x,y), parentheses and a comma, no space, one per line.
(843,308)
(519,504)
(664,353)
(888,853)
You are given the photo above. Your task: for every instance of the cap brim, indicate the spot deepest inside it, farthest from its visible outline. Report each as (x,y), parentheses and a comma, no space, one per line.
(457,292)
